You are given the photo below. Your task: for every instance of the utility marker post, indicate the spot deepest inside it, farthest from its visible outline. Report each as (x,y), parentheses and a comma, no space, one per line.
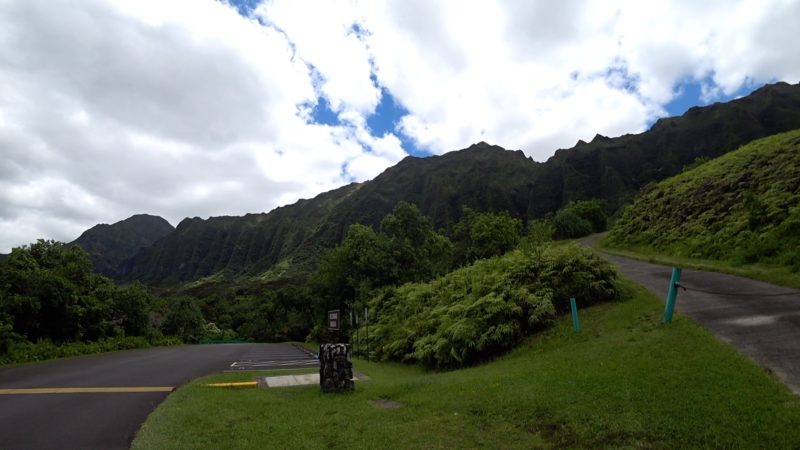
(669,307)
(354,325)
(366,326)
(576,324)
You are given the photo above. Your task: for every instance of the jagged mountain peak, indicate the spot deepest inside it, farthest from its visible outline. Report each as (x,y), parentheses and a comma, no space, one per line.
(109,245)
(482,176)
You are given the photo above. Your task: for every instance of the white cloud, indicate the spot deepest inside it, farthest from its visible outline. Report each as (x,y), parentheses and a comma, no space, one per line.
(186,108)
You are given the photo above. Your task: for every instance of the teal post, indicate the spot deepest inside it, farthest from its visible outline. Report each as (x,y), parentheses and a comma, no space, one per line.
(672,294)
(576,324)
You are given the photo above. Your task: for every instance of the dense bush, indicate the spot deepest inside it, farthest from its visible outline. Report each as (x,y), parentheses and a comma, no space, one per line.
(53,305)
(479,311)
(49,292)
(483,235)
(580,218)
(185,320)
(24,351)
(569,225)
(405,249)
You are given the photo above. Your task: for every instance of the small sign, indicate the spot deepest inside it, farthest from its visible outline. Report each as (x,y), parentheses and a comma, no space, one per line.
(333,319)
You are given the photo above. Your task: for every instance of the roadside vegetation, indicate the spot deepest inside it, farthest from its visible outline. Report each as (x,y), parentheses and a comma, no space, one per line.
(480,311)
(625,381)
(739,213)
(52,304)
(770,273)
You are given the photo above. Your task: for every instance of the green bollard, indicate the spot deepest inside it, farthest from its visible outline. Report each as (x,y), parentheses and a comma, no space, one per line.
(576,324)
(671,295)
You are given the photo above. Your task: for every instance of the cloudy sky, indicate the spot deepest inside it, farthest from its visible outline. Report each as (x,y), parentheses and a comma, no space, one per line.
(200,107)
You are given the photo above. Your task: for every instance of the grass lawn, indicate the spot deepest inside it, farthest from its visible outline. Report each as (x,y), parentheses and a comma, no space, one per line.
(625,382)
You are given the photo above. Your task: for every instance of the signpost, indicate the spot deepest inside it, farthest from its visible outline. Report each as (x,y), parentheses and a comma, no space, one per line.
(333,320)
(366,326)
(669,305)
(576,324)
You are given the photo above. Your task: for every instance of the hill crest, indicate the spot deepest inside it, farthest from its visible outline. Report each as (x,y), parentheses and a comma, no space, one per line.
(483,177)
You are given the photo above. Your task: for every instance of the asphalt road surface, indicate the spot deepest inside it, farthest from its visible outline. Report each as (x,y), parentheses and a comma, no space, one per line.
(76,404)
(758,319)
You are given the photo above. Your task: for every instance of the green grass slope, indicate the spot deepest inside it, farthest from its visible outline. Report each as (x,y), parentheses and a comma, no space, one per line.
(741,208)
(625,382)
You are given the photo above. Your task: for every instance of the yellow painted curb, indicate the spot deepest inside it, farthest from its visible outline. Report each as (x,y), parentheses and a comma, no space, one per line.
(86,390)
(239,385)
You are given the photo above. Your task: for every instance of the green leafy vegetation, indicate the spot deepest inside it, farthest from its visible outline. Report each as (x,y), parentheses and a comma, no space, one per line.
(480,311)
(742,208)
(579,219)
(17,352)
(483,235)
(625,382)
(53,305)
(782,276)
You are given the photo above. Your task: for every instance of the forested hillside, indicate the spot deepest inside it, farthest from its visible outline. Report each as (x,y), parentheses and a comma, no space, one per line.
(109,245)
(743,207)
(481,177)
(233,245)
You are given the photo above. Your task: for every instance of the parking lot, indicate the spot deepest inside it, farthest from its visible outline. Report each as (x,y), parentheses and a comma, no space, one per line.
(273,357)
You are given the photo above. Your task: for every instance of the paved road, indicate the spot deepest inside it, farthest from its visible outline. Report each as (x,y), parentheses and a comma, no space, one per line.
(109,420)
(750,315)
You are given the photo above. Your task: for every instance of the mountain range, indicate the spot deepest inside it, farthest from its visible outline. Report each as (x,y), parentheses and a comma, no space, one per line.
(483,177)
(110,245)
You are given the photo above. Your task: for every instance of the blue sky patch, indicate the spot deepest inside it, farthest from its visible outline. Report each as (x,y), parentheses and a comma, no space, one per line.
(690,93)
(323,114)
(385,120)
(245,7)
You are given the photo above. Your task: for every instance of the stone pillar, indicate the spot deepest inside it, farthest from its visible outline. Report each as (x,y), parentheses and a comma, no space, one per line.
(336,367)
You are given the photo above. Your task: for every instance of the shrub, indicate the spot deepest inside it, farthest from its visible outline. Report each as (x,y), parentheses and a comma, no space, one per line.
(23,351)
(569,224)
(483,310)
(483,235)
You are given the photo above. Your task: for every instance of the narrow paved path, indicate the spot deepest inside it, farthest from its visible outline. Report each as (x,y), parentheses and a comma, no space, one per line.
(92,416)
(754,317)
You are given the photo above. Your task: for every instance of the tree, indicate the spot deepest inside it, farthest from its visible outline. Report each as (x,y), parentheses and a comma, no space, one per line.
(130,308)
(7,335)
(593,211)
(360,263)
(569,224)
(483,235)
(406,249)
(418,251)
(48,291)
(184,319)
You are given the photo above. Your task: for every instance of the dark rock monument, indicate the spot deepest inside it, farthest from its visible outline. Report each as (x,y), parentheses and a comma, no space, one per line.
(336,367)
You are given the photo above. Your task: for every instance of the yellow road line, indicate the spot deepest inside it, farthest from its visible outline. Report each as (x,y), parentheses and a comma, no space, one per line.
(86,390)
(239,385)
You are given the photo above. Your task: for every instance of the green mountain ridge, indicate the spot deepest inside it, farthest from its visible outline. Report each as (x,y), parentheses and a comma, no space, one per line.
(109,245)
(232,245)
(743,207)
(482,177)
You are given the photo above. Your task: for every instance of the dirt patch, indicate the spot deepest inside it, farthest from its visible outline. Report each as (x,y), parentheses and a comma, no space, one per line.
(385,404)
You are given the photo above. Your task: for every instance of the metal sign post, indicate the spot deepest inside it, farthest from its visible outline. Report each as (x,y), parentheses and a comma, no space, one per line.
(333,320)
(576,324)
(366,326)
(334,323)
(669,305)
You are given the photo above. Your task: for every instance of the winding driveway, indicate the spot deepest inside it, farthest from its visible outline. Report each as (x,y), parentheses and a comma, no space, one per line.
(100,401)
(759,319)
